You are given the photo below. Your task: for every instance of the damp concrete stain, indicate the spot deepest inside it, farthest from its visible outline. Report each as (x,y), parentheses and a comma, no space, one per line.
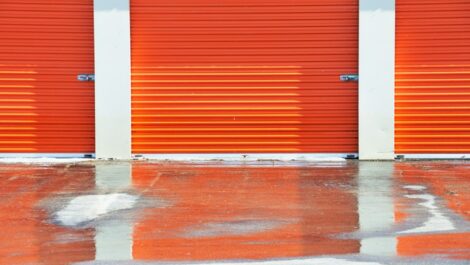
(86,208)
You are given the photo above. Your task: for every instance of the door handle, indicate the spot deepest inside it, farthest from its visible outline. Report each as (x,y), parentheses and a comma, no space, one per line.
(86,77)
(349,78)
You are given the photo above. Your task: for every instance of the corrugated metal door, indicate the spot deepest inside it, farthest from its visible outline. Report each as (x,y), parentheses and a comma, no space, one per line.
(433,77)
(240,76)
(44,45)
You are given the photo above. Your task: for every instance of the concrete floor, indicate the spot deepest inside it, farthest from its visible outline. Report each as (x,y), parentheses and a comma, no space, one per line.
(267,213)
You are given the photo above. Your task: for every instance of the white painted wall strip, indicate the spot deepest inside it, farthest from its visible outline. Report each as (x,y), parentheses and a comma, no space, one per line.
(376,79)
(113,79)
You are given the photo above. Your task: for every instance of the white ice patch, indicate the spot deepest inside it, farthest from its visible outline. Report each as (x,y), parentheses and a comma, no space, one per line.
(437,222)
(414,187)
(89,207)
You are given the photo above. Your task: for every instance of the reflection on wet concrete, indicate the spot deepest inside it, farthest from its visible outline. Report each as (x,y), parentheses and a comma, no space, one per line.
(232,228)
(447,192)
(308,213)
(375,206)
(113,239)
(436,222)
(279,212)
(27,237)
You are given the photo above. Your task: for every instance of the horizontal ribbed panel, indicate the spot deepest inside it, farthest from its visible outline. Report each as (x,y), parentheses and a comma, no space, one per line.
(432,77)
(44,45)
(243,76)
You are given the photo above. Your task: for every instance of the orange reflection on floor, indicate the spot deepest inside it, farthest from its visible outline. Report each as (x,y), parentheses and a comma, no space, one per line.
(27,236)
(223,212)
(449,181)
(455,245)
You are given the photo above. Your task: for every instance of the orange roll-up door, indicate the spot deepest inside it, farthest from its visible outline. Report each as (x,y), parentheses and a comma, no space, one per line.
(239,76)
(44,45)
(433,77)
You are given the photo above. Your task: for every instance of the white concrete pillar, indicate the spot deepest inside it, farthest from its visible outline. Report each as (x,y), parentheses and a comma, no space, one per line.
(112,79)
(376,79)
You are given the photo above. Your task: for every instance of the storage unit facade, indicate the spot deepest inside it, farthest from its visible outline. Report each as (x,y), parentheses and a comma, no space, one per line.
(235,77)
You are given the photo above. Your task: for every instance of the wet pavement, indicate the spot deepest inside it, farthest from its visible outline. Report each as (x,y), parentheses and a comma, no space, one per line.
(267,213)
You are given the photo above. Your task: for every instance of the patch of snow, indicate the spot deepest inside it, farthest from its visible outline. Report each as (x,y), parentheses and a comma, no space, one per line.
(414,187)
(43,160)
(436,222)
(87,208)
